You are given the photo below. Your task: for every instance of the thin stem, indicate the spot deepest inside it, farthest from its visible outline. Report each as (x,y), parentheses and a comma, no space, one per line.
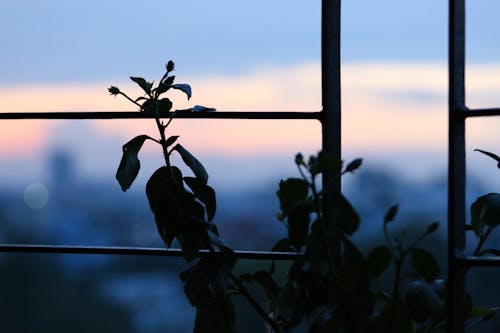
(395,290)
(130,99)
(274,325)
(482,239)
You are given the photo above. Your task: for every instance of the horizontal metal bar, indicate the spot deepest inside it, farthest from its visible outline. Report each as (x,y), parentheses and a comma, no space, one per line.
(136,251)
(472,261)
(145,115)
(482,112)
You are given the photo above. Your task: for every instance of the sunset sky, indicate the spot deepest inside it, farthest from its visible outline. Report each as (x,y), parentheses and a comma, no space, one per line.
(261,55)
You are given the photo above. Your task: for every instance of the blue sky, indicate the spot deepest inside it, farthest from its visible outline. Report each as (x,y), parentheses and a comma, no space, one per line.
(62,55)
(87,41)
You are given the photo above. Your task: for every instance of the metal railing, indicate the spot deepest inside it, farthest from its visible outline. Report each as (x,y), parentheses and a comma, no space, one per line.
(329,117)
(458,262)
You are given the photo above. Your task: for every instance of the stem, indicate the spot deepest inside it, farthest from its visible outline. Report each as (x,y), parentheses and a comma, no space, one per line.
(130,99)
(482,239)
(161,129)
(395,290)
(274,325)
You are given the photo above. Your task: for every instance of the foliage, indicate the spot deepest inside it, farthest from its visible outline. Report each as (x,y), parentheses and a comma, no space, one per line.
(325,290)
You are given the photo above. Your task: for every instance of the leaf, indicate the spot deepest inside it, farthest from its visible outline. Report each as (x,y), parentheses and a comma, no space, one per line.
(291,192)
(206,282)
(220,318)
(423,302)
(354,283)
(485,211)
(393,318)
(485,313)
(164,105)
(191,161)
(354,165)
(130,164)
(494,252)
(204,193)
(493,156)
(148,106)
(201,108)
(391,213)
(298,223)
(424,264)
(169,80)
(283,245)
(320,319)
(378,260)
(185,88)
(171,140)
(146,86)
(348,218)
(162,197)
(266,281)
(432,227)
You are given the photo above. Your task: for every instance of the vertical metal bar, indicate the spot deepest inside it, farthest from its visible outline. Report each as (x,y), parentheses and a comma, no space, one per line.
(330,71)
(456,167)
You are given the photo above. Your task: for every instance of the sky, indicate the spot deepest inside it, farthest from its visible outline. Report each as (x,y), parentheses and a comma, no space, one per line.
(238,55)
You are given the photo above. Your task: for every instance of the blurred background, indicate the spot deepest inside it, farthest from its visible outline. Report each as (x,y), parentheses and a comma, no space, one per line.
(57,183)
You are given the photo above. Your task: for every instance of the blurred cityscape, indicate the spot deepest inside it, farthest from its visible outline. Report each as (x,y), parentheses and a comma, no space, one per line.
(96,293)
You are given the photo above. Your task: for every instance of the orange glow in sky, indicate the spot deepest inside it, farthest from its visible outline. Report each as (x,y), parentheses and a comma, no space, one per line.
(385,106)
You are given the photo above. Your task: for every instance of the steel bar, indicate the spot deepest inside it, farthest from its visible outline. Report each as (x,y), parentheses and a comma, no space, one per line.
(144,115)
(471,261)
(331,119)
(136,251)
(482,112)
(456,301)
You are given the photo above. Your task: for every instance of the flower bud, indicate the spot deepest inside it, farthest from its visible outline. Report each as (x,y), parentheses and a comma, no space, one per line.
(170,66)
(114,90)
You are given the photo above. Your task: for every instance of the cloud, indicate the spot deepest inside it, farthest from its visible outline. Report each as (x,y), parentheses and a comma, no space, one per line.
(391,106)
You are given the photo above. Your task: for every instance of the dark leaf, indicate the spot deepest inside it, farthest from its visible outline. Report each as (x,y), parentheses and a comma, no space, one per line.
(191,161)
(169,80)
(164,105)
(219,317)
(283,245)
(146,86)
(316,251)
(163,200)
(424,264)
(393,318)
(354,165)
(494,252)
(468,227)
(204,193)
(378,260)
(141,99)
(432,227)
(485,211)
(206,282)
(391,213)
(214,239)
(320,319)
(423,302)
(149,106)
(129,164)
(348,218)
(291,192)
(170,141)
(186,88)
(298,223)
(266,281)
(323,163)
(493,156)
(195,109)
(485,313)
